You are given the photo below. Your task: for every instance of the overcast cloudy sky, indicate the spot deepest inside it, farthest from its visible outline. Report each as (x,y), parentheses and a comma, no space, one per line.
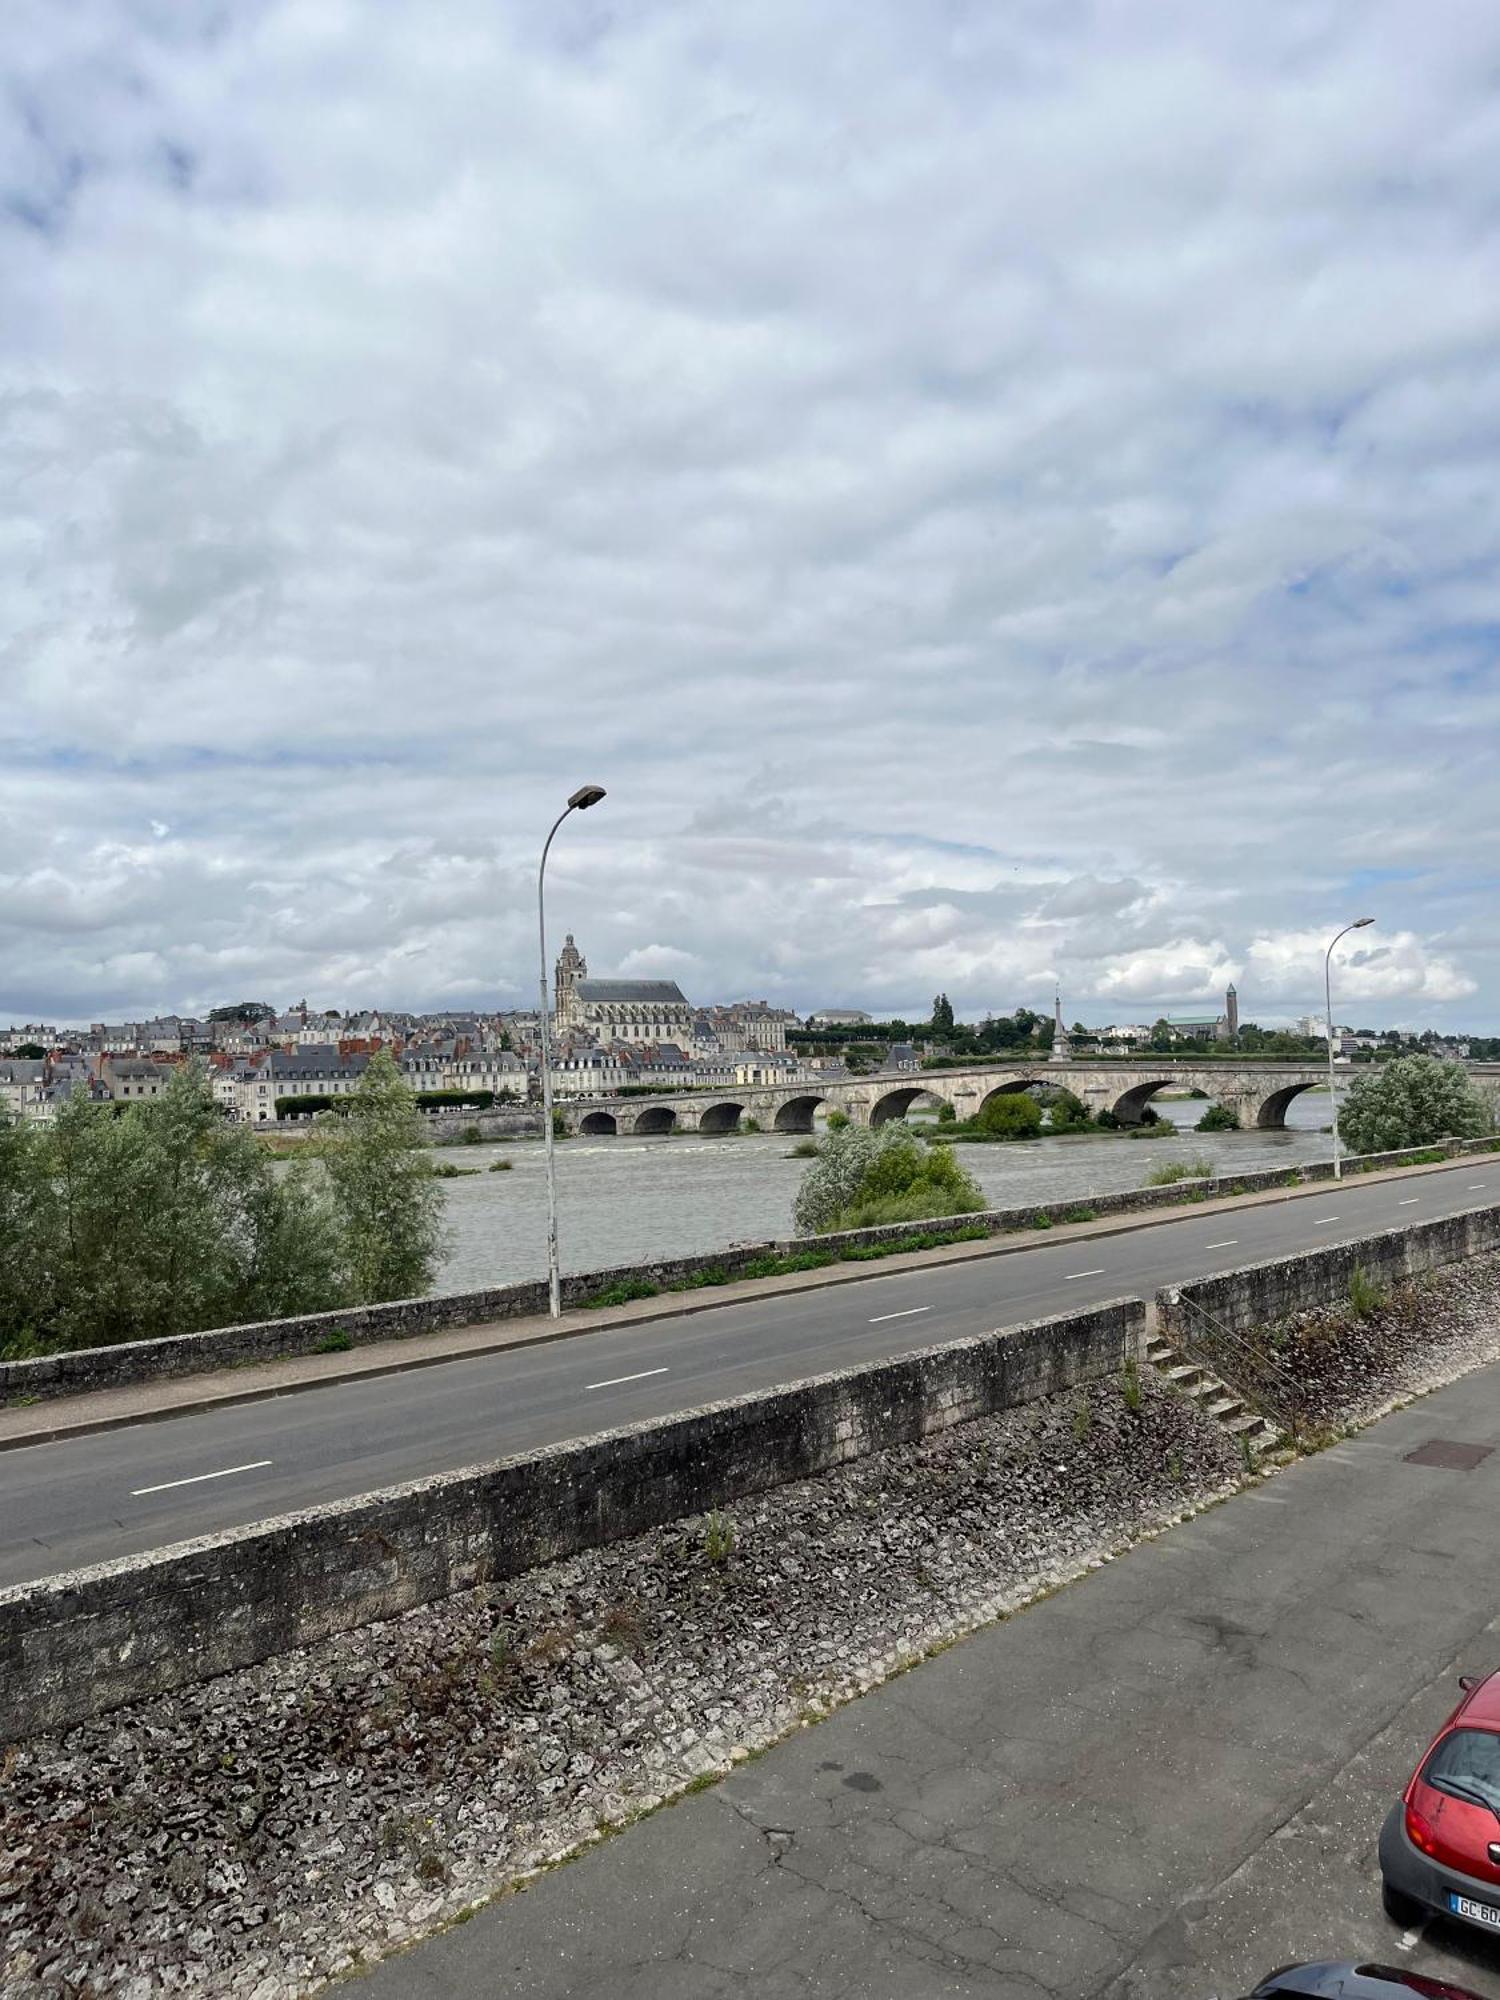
(999,492)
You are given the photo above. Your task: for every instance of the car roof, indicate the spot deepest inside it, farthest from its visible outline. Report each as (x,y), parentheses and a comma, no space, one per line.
(1337,1977)
(1483,1705)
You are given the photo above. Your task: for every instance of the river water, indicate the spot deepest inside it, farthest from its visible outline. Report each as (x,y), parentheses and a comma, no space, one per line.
(621,1201)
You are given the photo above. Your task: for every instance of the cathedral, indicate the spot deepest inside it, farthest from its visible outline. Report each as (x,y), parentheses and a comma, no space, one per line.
(617,1010)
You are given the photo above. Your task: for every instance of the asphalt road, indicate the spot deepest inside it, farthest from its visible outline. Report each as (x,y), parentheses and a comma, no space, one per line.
(118,1492)
(1158,1784)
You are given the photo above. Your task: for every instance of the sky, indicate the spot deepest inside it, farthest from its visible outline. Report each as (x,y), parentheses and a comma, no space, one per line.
(1003,497)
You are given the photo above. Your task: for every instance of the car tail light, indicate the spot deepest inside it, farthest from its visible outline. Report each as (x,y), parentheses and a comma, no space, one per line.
(1419,1832)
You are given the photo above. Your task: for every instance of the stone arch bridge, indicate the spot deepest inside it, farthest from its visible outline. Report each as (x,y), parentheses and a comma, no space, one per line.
(1257,1093)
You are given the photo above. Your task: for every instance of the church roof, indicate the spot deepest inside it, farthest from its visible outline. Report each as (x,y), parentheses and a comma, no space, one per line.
(633,992)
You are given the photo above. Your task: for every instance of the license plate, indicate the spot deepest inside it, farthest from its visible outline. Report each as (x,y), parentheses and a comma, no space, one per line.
(1477,1913)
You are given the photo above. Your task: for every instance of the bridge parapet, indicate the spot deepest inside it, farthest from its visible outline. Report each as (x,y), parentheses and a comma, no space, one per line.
(1258,1094)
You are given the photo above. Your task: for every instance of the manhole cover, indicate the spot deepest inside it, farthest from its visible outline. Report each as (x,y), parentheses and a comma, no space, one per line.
(1449,1454)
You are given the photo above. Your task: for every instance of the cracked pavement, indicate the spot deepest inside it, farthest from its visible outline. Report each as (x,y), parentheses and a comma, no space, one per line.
(1157,1784)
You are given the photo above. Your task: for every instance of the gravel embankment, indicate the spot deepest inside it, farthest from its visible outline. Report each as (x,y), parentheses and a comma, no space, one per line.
(258,1834)
(1347,1368)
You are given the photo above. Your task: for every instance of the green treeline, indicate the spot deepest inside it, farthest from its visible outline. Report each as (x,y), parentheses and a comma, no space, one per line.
(129,1223)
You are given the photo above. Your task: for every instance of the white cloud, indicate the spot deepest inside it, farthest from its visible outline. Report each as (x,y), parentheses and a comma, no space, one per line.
(998,496)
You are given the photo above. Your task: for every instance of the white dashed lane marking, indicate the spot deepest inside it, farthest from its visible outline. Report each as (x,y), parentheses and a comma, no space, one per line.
(255,1465)
(908,1314)
(1071,1275)
(615,1380)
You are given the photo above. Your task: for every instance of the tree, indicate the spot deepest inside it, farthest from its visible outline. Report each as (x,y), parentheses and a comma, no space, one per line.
(1161,1036)
(1412,1101)
(244,1011)
(942,1015)
(26,1223)
(167,1219)
(388,1204)
(31,1052)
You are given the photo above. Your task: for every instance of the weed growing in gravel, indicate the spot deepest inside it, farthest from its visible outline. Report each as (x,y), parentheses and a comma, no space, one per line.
(1041,1221)
(621,1626)
(1081,1215)
(1174,1467)
(1247,1456)
(1083,1422)
(1365,1295)
(719,1538)
(1130,1384)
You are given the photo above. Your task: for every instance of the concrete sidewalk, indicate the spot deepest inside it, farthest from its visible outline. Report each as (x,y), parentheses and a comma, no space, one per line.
(1070,1802)
(110,1409)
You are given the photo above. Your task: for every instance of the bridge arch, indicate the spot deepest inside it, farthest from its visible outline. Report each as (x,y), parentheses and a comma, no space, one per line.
(1130,1107)
(896,1103)
(1270,1116)
(798,1113)
(655,1118)
(599,1124)
(720,1118)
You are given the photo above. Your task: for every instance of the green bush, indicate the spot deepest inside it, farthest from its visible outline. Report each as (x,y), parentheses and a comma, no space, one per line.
(501,1166)
(880,1176)
(1010,1114)
(1218,1118)
(946,1113)
(805,1149)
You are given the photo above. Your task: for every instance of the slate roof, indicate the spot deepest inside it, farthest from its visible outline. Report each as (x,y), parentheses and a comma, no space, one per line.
(632,992)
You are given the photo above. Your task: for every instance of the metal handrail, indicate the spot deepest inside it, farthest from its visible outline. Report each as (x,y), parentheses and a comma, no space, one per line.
(1240,1350)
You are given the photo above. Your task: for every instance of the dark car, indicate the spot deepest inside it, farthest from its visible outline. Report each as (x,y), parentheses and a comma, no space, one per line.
(1338,1980)
(1440,1845)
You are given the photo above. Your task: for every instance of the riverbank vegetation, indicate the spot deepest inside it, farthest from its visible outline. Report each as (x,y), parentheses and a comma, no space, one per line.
(863,1178)
(132,1222)
(1412,1102)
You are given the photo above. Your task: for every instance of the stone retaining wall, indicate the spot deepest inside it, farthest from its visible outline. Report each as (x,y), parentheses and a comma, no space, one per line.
(1212,1314)
(85,1369)
(82,1643)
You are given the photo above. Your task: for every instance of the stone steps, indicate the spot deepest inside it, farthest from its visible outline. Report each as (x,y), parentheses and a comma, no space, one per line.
(1256,1432)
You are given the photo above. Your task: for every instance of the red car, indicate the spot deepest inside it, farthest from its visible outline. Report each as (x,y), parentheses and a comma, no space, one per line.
(1440,1847)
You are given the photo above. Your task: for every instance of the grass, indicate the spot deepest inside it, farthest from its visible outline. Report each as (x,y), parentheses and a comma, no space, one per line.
(1172,1171)
(622,1293)
(501,1166)
(805,1149)
(1080,1215)
(335,1342)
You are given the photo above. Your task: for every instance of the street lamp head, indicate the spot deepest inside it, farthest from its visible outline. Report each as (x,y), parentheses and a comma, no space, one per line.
(1360,922)
(590,795)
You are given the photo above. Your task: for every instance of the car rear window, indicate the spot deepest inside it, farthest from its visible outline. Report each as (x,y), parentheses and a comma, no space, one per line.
(1467,1762)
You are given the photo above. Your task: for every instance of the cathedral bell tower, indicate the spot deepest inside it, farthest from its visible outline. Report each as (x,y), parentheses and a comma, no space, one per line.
(571,967)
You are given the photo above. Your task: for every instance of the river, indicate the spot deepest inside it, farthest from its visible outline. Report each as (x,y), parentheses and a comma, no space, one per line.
(624,1200)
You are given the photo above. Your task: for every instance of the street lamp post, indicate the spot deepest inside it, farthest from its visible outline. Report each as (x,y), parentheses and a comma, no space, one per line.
(582,799)
(1333,1090)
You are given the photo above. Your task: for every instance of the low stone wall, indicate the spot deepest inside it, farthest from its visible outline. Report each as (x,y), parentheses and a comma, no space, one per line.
(85,1369)
(80,1644)
(1212,1314)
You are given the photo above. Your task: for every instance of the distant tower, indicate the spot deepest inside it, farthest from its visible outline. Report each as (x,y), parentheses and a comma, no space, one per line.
(1232,1011)
(571,967)
(1062,1049)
